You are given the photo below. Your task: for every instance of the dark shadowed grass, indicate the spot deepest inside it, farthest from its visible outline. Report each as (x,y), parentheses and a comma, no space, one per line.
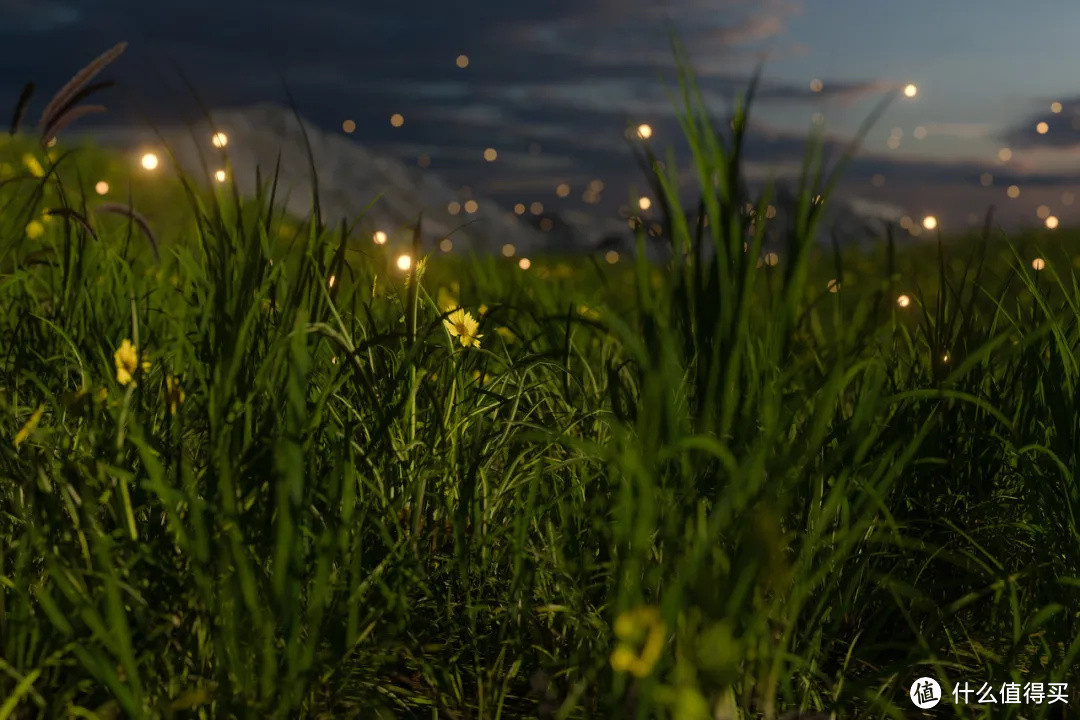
(708,489)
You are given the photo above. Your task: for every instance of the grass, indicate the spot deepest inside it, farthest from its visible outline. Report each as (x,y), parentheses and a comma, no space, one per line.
(711,489)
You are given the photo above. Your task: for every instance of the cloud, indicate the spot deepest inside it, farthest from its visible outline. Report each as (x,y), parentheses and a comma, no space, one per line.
(36,16)
(1063,128)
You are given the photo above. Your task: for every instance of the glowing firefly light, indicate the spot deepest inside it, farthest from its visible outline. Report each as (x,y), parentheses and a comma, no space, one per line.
(903,301)
(929,222)
(219,139)
(150,161)
(644,203)
(379,237)
(220,176)
(1052,222)
(404,262)
(644,131)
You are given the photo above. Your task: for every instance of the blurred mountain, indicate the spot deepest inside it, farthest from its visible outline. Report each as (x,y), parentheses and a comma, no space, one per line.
(352,177)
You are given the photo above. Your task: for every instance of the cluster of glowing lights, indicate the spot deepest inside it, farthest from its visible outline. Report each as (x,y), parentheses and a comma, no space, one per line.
(404,262)
(379,237)
(149,161)
(911,90)
(490,154)
(349,126)
(219,139)
(101,187)
(397,120)
(508,250)
(903,301)
(644,131)
(929,222)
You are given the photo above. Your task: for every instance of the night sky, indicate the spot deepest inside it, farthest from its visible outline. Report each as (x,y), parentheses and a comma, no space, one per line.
(552,86)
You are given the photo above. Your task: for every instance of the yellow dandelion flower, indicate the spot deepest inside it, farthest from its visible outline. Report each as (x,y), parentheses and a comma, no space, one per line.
(642,633)
(461,325)
(127,361)
(30,426)
(174,394)
(33,165)
(34,229)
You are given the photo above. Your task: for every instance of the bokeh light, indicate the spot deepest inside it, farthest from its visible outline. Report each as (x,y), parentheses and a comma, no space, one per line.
(1043,211)
(379,237)
(490,154)
(219,139)
(1038,263)
(462,61)
(349,126)
(453,208)
(446,244)
(903,301)
(101,188)
(1052,222)
(1042,128)
(508,250)
(397,119)
(471,206)
(816,85)
(404,262)
(611,256)
(562,190)
(524,263)
(1013,191)
(644,203)
(929,222)
(536,208)
(1055,107)
(910,90)
(150,161)
(219,175)
(1004,154)
(519,208)
(644,131)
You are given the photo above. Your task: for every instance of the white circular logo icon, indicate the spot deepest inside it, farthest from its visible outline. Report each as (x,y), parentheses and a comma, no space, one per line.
(925,693)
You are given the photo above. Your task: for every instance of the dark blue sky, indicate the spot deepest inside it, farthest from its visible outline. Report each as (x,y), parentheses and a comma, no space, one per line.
(552,85)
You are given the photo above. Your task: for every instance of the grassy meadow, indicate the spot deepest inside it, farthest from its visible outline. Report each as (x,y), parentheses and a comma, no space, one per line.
(252,469)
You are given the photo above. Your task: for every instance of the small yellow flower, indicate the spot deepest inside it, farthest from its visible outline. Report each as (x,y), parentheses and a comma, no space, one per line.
(34,229)
(173,393)
(33,165)
(461,325)
(642,628)
(30,426)
(127,360)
